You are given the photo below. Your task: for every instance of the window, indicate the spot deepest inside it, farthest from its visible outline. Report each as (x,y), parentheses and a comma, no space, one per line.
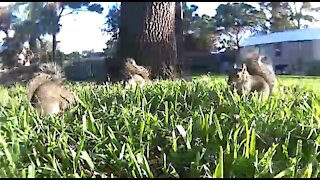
(278,49)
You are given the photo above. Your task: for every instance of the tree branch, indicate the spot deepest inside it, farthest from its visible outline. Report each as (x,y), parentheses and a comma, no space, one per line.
(74,11)
(67,13)
(60,14)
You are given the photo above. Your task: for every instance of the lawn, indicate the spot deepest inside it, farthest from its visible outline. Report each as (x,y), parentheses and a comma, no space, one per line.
(167,129)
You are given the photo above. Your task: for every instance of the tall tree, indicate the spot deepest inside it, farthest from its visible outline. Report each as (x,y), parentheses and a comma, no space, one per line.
(11,44)
(7,18)
(189,17)
(147,34)
(112,22)
(236,18)
(302,12)
(30,27)
(197,30)
(280,19)
(277,16)
(179,30)
(56,10)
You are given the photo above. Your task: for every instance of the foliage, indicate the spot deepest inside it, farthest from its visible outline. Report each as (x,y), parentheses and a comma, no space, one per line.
(112,22)
(168,129)
(50,14)
(280,19)
(302,13)
(73,55)
(236,18)
(197,30)
(6,18)
(193,22)
(40,18)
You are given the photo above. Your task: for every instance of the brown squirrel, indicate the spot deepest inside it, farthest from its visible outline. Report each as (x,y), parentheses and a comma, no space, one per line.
(134,73)
(46,91)
(262,66)
(241,80)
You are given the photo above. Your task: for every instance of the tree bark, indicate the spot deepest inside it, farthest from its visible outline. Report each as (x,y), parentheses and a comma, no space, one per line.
(54,45)
(183,65)
(179,29)
(147,34)
(33,43)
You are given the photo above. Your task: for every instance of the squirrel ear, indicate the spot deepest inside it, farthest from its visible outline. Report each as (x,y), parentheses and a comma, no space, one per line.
(244,67)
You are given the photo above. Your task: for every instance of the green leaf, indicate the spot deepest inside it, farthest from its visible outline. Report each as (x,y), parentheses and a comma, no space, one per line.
(86,157)
(308,171)
(31,171)
(253,142)
(184,135)
(284,172)
(218,173)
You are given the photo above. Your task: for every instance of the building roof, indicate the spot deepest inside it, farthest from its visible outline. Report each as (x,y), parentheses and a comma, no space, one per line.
(292,35)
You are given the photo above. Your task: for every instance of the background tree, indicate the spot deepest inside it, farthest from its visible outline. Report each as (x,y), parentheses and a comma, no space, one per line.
(74,55)
(189,16)
(233,19)
(197,30)
(112,23)
(30,26)
(301,11)
(11,44)
(54,11)
(147,34)
(6,18)
(280,19)
(44,18)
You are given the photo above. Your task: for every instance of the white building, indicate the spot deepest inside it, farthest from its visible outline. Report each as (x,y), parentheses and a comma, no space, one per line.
(294,48)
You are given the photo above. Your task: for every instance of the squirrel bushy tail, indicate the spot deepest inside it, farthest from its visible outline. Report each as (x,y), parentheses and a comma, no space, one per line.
(260,65)
(48,72)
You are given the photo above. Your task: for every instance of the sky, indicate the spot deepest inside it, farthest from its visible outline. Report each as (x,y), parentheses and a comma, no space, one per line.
(83,31)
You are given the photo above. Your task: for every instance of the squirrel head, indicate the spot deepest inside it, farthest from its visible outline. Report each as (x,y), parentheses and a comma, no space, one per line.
(131,61)
(132,68)
(256,58)
(238,75)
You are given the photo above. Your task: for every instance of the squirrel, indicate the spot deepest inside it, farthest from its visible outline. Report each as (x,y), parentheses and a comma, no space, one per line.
(261,65)
(245,83)
(46,91)
(134,73)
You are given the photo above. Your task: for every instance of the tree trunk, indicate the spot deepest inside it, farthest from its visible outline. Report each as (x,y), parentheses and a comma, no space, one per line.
(179,29)
(33,43)
(147,34)
(183,65)
(276,16)
(54,45)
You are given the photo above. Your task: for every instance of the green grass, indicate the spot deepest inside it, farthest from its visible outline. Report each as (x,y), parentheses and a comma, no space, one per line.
(167,129)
